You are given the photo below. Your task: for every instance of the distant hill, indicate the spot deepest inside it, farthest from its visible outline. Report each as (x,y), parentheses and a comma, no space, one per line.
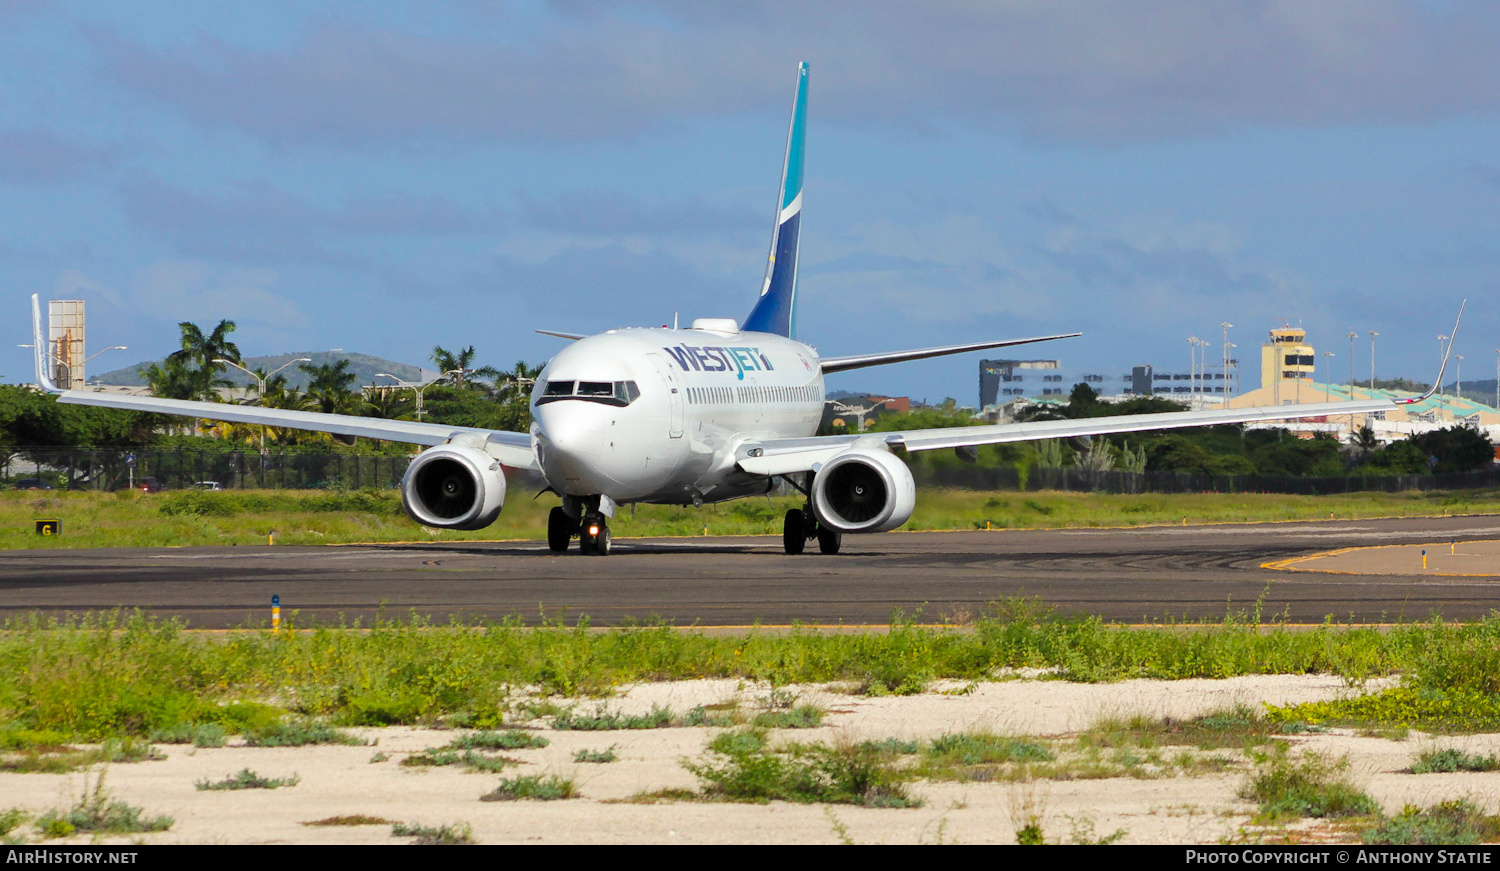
(1478,391)
(363,365)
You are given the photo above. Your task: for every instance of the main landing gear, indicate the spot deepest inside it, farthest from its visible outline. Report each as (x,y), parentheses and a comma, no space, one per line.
(592,531)
(800,526)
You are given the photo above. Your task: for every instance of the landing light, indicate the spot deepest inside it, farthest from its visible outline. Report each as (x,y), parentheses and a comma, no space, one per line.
(594,529)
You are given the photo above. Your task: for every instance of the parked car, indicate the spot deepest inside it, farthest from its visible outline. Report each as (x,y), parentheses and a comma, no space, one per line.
(149,485)
(32,484)
(207,485)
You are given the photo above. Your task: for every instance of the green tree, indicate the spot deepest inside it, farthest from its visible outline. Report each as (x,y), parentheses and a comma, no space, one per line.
(1397,458)
(330,388)
(190,372)
(1456,449)
(462,367)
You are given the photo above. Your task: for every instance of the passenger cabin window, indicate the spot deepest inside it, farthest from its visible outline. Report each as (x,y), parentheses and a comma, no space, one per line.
(617,393)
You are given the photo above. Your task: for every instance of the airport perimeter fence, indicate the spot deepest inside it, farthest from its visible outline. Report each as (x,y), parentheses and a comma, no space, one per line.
(114,469)
(1086,481)
(77,469)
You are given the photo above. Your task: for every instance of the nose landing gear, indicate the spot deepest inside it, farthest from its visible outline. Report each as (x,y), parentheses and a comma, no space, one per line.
(592,530)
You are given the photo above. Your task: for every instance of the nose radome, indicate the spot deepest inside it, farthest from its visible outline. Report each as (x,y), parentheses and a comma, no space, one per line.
(572,428)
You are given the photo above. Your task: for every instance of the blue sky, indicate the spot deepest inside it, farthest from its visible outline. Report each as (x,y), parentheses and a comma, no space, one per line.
(386,177)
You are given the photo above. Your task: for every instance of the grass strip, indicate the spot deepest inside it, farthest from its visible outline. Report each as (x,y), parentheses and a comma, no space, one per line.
(244,517)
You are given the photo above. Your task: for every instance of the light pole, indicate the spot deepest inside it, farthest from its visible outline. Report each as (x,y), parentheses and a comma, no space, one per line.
(63,363)
(1373,334)
(419,387)
(1225,326)
(1458,375)
(260,386)
(1327,376)
(1192,368)
(1352,336)
(1442,402)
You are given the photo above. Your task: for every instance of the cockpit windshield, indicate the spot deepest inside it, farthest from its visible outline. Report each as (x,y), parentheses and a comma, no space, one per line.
(618,393)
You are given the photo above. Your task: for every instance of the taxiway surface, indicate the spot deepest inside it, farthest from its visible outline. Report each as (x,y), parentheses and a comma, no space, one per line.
(1151,573)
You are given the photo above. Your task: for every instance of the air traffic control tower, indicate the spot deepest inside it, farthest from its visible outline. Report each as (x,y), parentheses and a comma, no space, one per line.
(1286,357)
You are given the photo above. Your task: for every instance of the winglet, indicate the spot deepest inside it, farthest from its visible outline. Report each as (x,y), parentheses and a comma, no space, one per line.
(1438,382)
(776,310)
(39,348)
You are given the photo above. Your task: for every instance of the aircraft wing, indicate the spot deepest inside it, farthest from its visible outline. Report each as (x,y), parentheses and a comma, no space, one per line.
(860,361)
(787,456)
(510,448)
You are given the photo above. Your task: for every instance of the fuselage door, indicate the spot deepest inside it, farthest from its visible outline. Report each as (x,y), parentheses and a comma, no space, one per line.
(674,394)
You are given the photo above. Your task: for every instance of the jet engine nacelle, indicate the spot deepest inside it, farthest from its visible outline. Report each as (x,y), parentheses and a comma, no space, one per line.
(864,491)
(453,487)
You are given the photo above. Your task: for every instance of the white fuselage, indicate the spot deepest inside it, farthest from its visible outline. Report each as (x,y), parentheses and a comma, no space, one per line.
(655,415)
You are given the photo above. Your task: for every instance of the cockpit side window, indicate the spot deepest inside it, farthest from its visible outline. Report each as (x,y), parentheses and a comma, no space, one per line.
(559,388)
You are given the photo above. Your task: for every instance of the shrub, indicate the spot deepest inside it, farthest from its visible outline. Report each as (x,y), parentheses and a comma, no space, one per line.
(535,787)
(1451,822)
(247,779)
(1311,786)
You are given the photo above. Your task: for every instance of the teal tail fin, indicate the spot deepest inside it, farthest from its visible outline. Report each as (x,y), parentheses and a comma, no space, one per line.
(776,310)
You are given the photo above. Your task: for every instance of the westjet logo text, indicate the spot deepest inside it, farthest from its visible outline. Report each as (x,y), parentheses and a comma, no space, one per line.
(716,359)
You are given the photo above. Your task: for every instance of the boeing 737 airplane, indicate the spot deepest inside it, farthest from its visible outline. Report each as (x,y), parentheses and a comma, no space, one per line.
(717,411)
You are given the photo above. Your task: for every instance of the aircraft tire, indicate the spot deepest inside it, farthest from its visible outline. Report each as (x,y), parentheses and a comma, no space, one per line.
(792,537)
(829,540)
(585,543)
(559,530)
(601,541)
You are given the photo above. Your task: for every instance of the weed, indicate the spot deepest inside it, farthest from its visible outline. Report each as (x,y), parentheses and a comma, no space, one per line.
(247,779)
(602,720)
(535,787)
(800,717)
(1236,727)
(840,830)
(657,796)
(721,716)
(196,734)
(1452,759)
(1027,808)
(743,767)
(55,759)
(510,739)
(298,733)
(893,747)
(11,820)
(1081,831)
(471,761)
(97,812)
(1310,786)
(596,756)
(1451,822)
(458,833)
(350,820)
(966,756)
(379,756)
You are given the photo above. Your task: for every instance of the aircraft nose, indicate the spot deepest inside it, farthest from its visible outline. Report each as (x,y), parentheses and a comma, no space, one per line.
(571,436)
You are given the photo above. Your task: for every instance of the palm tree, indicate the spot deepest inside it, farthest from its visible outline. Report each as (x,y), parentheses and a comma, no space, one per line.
(462,365)
(518,382)
(194,364)
(330,388)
